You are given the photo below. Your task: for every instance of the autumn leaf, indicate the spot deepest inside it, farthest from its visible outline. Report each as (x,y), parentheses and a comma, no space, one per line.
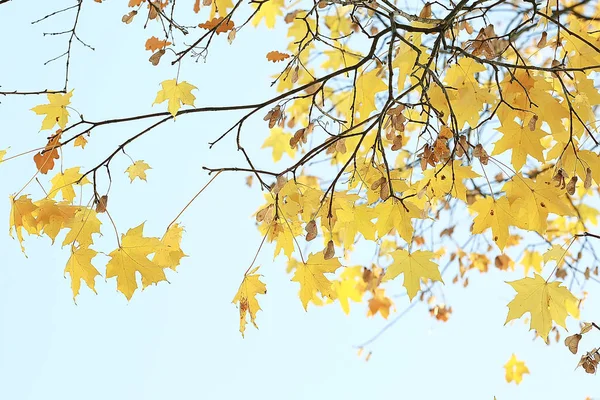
(153,44)
(280,142)
(63,183)
(276,56)
(415,267)
(515,370)
(245,298)
(80,268)
(177,94)
(312,279)
(21,217)
(546,302)
(494,214)
(51,216)
(268,11)
(522,141)
(219,24)
(82,226)
(56,110)
(80,141)
(44,160)
(131,258)
(169,255)
(137,170)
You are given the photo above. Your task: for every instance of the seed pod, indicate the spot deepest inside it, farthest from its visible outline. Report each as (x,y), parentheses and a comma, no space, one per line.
(329,251)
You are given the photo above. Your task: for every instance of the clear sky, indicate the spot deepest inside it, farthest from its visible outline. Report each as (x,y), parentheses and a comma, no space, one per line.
(181,340)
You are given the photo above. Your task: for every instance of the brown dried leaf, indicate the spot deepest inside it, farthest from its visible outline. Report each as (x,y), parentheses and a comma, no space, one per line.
(276,56)
(219,24)
(329,251)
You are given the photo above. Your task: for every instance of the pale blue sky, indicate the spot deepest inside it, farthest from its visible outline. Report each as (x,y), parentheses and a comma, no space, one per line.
(181,340)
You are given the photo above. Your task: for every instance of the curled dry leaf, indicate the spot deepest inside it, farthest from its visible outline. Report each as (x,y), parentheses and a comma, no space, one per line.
(276,56)
(231,36)
(44,160)
(572,342)
(218,24)
(329,251)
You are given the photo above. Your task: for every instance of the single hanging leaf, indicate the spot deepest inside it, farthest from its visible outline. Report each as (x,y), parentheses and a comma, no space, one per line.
(176,93)
(522,141)
(276,56)
(245,298)
(219,23)
(495,214)
(63,183)
(80,268)
(312,279)
(56,110)
(170,254)
(81,141)
(153,44)
(515,370)
(415,266)
(546,302)
(132,257)
(137,170)
(83,226)
(44,160)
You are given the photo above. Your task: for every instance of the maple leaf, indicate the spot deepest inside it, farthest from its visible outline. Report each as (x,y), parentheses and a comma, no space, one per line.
(446,179)
(81,141)
(380,303)
(349,287)
(414,266)
(176,93)
(51,216)
(246,298)
(311,277)
(280,142)
(546,302)
(132,257)
(153,44)
(82,225)
(80,268)
(276,56)
(495,214)
(21,217)
(269,11)
(393,214)
(556,253)
(532,260)
(515,370)
(367,86)
(44,160)
(522,141)
(170,254)
(137,170)
(63,183)
(56,110)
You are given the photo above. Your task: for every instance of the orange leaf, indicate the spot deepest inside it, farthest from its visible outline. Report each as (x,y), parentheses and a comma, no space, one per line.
(276,56)
(44,161)
(155,43)
(197,6)
(135,3)
(224,26)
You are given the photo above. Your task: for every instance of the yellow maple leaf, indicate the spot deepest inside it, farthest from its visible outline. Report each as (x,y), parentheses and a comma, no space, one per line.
(51,216)
(2,154)
(170,254)
(280,142)
(81,141)
(132,257)
(522,141)
(137,170)
(368,85)
(221,7)
(56,110)
(269,11)
(312,279)
(393,214)
(246,298)
(22,218)
(82,225)
(556,253)
(532,260)
(80,268)
(63,183)
(446,179)
(495,214)
(414,267)
(546,302)
(176,93)
(380,303)
(349,287)
(515,370)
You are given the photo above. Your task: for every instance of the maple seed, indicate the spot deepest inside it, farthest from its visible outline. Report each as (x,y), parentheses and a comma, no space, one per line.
(311,230)
(329,251)
(572,342)
(587,183)
(102,203)
(127,18)
(155,58)
(571,185)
